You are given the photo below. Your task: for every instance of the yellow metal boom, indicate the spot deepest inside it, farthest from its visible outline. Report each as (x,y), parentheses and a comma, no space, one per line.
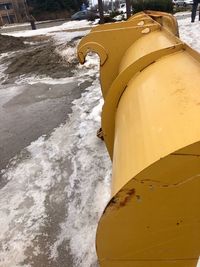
(151,126)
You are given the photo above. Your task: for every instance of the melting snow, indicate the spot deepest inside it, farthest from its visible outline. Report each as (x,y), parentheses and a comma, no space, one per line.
(3,67)
(63,37)
(71,25)
(72,156)
(23,198)
(189,32)
(70,168)
(68,53)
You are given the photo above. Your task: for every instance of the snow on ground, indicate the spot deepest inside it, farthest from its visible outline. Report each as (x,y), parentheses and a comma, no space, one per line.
(72,156)
(71,168)
(71,25)
(189,32)
(62,38)
(24,24)
(68,172)
(89,183)
(182,15)
(3,67)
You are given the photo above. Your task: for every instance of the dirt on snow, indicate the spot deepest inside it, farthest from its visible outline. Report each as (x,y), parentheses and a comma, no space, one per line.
(9,43)
(38,59)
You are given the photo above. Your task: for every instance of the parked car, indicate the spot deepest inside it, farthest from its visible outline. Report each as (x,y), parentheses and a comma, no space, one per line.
(182,2)
(179,2)
(188,2)
(85,14)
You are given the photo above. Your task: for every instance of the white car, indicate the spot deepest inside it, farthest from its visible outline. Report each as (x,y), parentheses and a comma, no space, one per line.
(188,2)
(179,2)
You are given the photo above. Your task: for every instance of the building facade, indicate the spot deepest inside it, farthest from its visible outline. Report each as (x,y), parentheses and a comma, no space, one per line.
(12,11)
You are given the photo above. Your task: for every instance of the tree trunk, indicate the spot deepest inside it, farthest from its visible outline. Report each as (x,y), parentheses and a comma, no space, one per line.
(100,5)
(128,8)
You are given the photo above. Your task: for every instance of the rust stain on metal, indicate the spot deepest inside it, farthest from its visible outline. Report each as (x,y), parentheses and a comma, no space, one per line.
(121,199)
(100,134)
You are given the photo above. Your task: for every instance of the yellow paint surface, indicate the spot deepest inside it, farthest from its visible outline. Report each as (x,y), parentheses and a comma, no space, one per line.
(151,126)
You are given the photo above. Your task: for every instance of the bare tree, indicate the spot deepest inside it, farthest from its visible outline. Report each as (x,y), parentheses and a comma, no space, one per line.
(128,8)
(20,10)
(100,5)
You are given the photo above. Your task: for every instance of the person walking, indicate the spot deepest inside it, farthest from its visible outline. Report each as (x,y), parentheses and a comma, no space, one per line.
(194,10)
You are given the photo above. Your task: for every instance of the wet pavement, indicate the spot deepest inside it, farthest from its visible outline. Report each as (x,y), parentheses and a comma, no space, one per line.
(54,171)
(29,111)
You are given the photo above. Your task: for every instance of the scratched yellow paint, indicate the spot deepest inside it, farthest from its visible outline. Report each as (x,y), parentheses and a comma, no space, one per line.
(151,127)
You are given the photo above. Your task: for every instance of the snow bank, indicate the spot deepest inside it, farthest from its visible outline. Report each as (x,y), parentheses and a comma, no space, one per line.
(189,32)
(89,183)
(4,66)
(72,169)
(64,37)
(71,25)
(67,52)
